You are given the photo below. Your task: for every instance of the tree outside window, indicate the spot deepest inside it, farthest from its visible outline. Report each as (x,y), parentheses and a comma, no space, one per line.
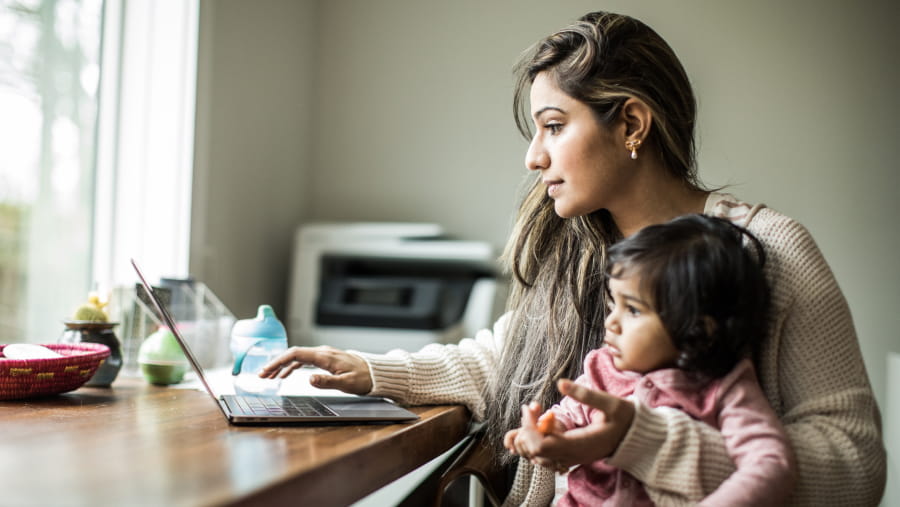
(49,73)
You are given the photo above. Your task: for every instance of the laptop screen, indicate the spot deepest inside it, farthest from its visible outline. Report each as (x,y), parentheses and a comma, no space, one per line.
(170,323)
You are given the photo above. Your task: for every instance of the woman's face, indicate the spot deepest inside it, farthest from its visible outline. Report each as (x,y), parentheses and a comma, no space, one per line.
(581,164)
(635,334)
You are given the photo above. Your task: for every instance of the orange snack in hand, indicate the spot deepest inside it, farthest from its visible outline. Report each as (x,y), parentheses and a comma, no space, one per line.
(545,422)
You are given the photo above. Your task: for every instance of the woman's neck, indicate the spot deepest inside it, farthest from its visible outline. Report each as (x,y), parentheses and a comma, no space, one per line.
(660,201)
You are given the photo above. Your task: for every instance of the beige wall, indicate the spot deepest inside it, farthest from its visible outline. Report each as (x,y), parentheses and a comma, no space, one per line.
(400,110)
(252,183)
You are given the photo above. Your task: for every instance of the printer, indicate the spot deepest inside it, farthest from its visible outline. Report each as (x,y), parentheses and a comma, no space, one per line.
(375,287)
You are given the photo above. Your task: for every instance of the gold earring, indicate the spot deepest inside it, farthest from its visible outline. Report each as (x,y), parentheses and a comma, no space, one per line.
(633,145)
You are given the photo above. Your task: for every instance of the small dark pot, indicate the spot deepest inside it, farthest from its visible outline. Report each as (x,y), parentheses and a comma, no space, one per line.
(97,332)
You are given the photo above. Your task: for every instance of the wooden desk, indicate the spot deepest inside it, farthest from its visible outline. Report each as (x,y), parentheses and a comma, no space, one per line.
(136,444)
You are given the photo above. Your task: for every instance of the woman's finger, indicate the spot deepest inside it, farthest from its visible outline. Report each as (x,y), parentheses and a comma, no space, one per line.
(599,400)
(324,357)
(290,368)
(347,372)
(293,355)
(609,423)
(347,382)
(284,372)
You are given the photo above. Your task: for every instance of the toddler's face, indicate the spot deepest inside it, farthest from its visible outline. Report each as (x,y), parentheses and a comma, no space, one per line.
(634,332)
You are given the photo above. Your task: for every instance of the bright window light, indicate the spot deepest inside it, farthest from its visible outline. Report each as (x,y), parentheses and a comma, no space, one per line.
(148,89)
(97,102)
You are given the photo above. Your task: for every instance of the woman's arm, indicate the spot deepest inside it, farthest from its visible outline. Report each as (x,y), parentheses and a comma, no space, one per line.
(439,373)
(816,373)
(435,374)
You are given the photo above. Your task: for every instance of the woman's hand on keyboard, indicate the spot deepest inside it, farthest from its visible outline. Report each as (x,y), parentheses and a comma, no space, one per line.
(347,372)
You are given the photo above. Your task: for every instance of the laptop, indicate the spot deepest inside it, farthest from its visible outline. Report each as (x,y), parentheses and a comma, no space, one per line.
(244,409)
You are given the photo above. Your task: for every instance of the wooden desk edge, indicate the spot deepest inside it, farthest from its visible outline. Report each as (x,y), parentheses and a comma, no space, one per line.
(441,427)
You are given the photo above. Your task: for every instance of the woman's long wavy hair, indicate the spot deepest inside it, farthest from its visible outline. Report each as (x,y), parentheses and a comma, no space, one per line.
(557,298)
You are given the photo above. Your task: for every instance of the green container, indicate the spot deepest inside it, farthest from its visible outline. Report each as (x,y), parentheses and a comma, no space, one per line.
(161,360)
(163,374)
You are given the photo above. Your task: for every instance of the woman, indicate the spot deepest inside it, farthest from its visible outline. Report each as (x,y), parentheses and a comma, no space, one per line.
(613,152)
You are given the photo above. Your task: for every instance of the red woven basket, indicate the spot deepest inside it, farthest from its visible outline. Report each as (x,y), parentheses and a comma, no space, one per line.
(30,378)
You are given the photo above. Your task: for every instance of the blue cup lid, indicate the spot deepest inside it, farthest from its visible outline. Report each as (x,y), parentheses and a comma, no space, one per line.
(265,325)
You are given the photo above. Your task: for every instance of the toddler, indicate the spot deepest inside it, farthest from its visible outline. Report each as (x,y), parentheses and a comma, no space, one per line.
(688,306)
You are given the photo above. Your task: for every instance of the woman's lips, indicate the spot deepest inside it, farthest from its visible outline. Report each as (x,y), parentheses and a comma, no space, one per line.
(553,187)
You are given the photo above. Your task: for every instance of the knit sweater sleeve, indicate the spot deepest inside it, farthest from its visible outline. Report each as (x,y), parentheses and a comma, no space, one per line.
(812,373)
(436,374)
(533,486)
(815,376)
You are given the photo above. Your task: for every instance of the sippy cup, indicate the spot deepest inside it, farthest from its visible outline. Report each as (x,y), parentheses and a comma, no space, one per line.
(255,342)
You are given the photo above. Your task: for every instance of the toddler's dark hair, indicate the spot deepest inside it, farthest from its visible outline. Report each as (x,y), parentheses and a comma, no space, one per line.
(707,288)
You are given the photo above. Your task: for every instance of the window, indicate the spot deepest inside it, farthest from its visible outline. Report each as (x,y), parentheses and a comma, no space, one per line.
(97,143)
(145,141)
(49,74)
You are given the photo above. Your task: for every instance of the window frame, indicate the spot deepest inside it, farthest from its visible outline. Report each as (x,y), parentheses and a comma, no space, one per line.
(145,139)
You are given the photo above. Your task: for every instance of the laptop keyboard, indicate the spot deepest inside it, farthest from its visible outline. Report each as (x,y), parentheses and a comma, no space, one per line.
(283,405)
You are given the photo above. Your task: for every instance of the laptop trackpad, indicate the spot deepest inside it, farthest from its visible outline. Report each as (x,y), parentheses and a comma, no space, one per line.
(359,406)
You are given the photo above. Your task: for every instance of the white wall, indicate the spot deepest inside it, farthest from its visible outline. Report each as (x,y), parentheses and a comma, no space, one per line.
(413,118)
(408,117)
(253,146)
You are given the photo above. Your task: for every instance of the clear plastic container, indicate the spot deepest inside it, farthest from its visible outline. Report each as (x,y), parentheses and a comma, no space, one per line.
(204,321)
(255,342)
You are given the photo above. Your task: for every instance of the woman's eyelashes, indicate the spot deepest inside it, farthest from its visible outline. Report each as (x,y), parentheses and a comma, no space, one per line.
(554,127)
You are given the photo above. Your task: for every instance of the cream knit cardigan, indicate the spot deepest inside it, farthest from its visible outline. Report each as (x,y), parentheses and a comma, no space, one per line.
(810,368)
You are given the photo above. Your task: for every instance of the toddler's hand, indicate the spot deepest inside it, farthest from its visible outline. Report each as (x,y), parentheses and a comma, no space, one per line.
(509,441)
(527,441)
